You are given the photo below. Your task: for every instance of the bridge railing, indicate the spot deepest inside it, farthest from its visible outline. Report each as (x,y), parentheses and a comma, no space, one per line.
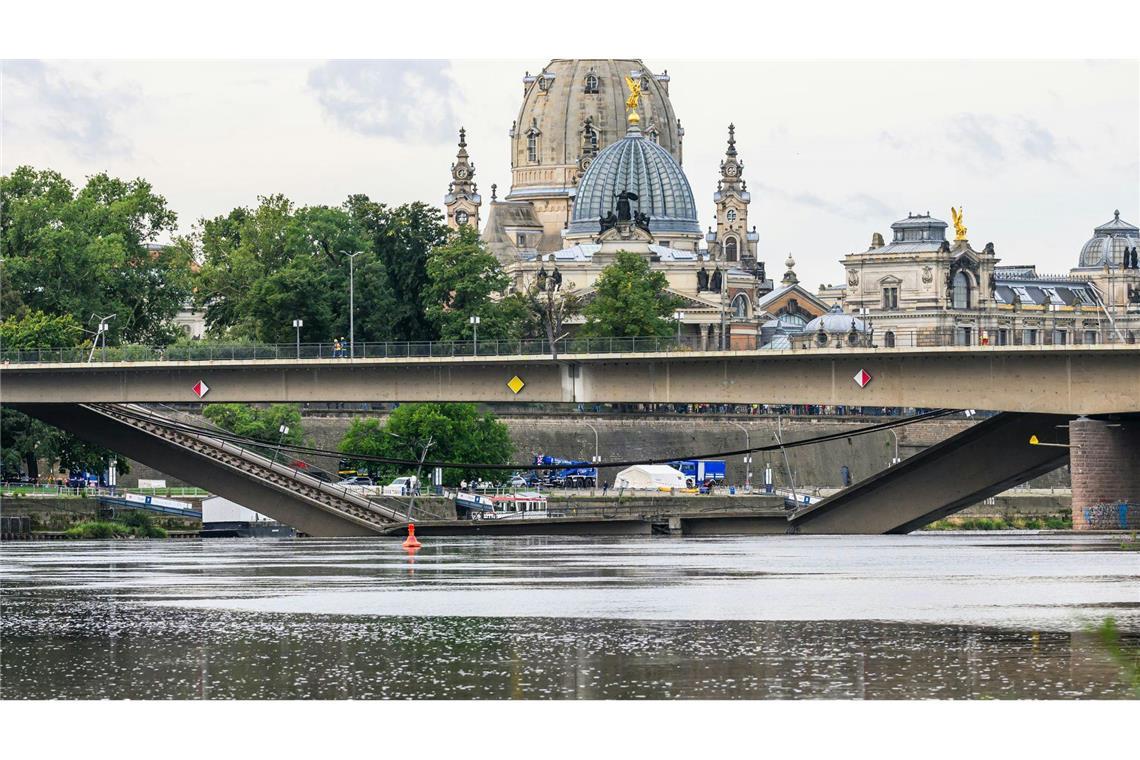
(881,336)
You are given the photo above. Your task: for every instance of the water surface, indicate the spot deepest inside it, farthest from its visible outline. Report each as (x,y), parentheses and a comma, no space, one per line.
(920,616)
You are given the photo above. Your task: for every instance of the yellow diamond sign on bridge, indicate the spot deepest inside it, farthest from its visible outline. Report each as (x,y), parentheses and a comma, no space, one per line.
(515,384)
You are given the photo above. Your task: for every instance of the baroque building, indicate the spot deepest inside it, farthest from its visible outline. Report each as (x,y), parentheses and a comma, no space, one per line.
(921,289)
(596,168)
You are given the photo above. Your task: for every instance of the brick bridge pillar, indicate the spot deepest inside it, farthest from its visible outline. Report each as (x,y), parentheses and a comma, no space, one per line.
(1105,464)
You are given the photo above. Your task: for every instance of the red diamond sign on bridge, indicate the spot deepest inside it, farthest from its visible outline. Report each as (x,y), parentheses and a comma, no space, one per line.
(862,377)
(200,388)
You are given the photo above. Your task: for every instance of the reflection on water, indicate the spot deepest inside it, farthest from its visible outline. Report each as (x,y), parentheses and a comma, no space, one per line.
(947,616)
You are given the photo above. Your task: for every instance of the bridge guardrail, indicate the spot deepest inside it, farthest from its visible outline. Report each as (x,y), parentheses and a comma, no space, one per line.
(879,337)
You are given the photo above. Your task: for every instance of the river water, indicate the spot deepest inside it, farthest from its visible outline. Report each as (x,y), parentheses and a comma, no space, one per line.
(885,617)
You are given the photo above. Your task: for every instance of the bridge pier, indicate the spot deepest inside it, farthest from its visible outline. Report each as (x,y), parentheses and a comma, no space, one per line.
(1105,464)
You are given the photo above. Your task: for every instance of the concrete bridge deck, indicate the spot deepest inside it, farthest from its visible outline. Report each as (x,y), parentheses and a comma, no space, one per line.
(1074,380)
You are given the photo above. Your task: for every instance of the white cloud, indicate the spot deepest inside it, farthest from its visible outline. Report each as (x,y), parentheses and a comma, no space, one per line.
(412,100)
(75,110)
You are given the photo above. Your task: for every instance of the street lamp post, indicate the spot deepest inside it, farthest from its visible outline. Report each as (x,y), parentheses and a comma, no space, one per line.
(419,468)
(747,457)
(351,304)
(284,431)
(298,324)
(596,458)
(678,315)
(100,332)
(474,321)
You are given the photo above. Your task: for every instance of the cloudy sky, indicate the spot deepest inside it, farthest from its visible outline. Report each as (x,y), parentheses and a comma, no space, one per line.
(1038,153)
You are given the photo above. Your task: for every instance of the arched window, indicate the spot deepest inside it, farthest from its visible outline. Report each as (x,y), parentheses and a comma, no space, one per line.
(889,339)
(960,291)
(740,306)
(532,147)
(591,83)
(730,249)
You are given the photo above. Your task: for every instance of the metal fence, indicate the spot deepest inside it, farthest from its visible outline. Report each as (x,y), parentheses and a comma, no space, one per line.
(211,351)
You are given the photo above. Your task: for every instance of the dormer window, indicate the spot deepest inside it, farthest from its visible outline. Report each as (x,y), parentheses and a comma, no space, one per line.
(591,83)
(532,148)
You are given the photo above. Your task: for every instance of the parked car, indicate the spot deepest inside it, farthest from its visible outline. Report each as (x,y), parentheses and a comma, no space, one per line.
(517,481)
(355,481)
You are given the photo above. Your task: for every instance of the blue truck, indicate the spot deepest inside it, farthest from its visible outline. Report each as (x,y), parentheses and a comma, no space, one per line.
(701,473)
(575,474)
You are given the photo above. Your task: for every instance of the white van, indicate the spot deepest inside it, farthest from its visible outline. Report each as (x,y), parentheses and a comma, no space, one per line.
(402,486)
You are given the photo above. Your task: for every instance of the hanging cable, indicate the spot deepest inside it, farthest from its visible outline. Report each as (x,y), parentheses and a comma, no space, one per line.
(190,429)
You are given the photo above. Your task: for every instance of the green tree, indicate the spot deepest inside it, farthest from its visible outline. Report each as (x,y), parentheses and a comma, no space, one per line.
(262,424)
(459,433)
(35,329)
(630,301)
(91,250)
(401,238)
(463,280)
(264,267)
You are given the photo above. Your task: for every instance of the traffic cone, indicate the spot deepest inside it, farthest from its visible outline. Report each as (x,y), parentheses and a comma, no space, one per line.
(411,542)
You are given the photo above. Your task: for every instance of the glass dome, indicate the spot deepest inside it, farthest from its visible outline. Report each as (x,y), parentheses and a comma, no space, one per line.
(1109,242)
(641,166)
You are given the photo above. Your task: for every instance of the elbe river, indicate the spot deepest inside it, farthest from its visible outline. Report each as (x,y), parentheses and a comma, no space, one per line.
(953,616)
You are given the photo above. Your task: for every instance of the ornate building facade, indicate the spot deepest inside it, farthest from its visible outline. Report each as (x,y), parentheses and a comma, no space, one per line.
(924,290)
(596,155)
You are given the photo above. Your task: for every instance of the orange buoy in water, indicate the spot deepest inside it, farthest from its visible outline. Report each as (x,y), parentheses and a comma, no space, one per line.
(411,541)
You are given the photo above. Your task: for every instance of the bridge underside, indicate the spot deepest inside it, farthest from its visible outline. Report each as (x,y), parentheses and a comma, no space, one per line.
(960,471)
(296,504)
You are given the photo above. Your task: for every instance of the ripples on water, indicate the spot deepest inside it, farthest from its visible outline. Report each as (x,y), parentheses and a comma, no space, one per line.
(783,617)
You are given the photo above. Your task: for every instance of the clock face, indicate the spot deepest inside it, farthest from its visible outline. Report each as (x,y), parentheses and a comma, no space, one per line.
(461,173)
(731,215)
(461,217)
(730,170)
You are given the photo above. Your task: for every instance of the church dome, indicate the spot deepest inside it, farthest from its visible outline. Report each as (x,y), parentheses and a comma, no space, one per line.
(549,139)
(639,165)
(1109,242)
(835,322)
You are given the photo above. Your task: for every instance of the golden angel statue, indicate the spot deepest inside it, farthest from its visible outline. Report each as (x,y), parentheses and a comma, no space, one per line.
(959,226)
(634,86)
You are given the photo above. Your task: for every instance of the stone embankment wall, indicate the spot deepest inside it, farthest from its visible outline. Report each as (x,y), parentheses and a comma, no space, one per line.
(625,437)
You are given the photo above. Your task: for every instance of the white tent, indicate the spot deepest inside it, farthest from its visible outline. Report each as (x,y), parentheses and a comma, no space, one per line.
(650,477)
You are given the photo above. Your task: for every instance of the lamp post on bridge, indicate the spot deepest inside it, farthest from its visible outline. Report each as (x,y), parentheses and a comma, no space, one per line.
(351,304)
(678,316)
(100,332)
(474,322)
(298,324)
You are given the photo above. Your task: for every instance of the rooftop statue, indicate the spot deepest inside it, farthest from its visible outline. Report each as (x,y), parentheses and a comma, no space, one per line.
(959,225)
(634,92)
(634,86)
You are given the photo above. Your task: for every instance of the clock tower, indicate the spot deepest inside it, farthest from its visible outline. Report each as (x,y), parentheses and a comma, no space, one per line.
(462,200)
(733,242)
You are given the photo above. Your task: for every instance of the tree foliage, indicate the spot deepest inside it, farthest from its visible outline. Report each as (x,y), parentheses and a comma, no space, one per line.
(463,279)
(35,329)
(79,252)
(630,301)
(24,441)
(262,424)
(459,433)
(266,266)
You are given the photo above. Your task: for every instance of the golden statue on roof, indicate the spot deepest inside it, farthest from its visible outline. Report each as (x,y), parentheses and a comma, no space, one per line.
(634,86)
(959,225)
